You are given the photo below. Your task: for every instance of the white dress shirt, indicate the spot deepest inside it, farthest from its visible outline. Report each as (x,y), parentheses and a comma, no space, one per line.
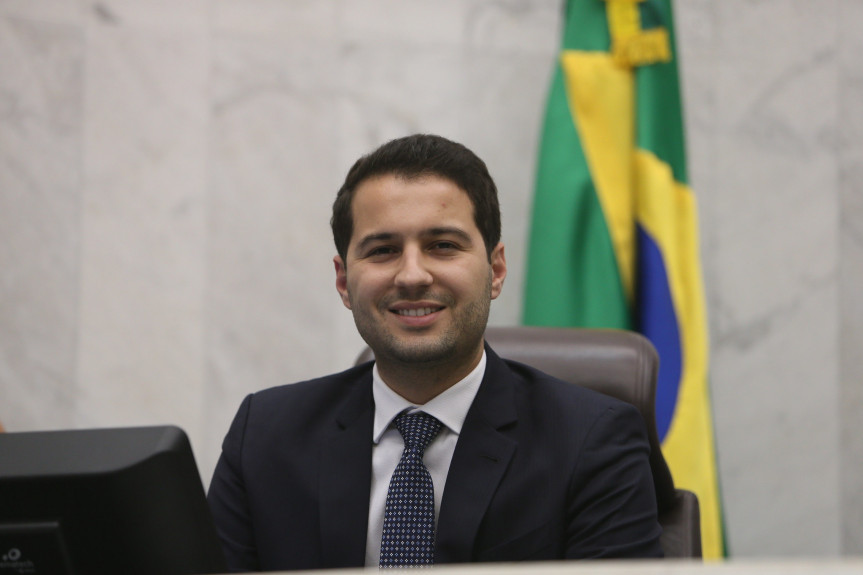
(450,408)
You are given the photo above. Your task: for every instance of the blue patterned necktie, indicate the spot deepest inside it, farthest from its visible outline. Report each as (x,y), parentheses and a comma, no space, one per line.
(408,534)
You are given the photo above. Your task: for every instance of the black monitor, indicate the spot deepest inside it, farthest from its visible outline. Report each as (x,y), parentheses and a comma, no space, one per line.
(87,502)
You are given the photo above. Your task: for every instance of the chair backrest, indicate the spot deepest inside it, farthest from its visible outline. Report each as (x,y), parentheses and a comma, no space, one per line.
(621,364)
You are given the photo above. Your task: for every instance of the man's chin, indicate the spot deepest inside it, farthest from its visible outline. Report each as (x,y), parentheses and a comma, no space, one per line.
(417,351)
(419,354)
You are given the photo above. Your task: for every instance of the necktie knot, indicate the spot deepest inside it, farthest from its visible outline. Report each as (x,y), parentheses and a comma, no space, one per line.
(418,429)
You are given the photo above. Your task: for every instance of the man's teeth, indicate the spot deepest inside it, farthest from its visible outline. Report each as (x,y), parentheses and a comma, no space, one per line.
(416,312)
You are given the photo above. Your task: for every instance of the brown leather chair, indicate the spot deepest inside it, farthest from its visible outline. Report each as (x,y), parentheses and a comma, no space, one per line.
(624,365)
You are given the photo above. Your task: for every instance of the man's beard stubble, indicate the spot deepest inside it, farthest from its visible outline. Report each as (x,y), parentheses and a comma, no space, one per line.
(466,330)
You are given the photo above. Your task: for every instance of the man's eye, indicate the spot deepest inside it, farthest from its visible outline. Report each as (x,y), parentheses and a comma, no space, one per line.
(381,251)
(445,246)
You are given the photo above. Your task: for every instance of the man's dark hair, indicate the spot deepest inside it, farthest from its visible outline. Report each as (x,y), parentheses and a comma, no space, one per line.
(414,157)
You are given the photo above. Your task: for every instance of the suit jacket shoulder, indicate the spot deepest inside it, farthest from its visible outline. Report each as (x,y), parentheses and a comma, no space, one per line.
(547,470)
(312,404)
(291,488)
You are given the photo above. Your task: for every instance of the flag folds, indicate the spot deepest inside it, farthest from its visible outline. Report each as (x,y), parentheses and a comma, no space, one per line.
(614,236)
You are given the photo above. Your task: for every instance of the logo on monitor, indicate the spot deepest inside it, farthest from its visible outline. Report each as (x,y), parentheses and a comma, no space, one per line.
(11,562)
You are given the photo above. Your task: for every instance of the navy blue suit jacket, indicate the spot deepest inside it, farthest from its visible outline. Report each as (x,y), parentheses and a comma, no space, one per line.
(543,469)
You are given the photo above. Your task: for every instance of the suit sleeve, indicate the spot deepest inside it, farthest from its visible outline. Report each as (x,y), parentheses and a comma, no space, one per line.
(228,499)
(612,502)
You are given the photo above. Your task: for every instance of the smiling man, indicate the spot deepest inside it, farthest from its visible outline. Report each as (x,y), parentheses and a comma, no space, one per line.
(438,451)
(420,282)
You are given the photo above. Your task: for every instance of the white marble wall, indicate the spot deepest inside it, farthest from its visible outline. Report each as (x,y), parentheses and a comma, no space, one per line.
(762,86)
(849,140)
(167,170)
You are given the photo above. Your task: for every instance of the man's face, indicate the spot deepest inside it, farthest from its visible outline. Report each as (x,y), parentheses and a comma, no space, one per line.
(417,277)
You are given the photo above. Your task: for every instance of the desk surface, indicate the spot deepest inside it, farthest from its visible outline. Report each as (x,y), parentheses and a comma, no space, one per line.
(665,567)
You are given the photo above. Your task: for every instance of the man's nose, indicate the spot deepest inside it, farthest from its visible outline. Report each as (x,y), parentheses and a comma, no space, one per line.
(413,269)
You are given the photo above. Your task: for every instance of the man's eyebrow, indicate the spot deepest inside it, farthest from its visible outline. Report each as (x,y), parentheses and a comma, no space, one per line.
(431,232)
(450,231)
(372,238)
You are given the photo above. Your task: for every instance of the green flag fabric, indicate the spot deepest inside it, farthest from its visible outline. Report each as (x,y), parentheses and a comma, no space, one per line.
(614,236)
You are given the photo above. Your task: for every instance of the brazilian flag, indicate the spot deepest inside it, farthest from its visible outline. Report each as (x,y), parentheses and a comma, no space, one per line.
(614,238)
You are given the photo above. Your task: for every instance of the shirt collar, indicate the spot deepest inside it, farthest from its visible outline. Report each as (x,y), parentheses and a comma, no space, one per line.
(450,407)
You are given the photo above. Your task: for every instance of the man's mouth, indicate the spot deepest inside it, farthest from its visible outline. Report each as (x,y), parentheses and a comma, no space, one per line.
(418,312)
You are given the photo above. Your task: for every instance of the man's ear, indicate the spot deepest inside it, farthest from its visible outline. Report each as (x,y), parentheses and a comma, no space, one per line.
(498,269)
(342,280)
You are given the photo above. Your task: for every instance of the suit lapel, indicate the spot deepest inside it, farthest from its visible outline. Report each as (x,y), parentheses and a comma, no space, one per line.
(345,481)
(481,458)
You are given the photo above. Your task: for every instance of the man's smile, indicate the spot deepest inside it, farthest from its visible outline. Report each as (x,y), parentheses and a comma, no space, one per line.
(417,312)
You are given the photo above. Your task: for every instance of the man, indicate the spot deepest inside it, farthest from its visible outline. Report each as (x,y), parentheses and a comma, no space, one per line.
(518,465)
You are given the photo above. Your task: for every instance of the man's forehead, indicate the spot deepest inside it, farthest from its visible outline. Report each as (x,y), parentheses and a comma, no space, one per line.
(406,189)
(384,209)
